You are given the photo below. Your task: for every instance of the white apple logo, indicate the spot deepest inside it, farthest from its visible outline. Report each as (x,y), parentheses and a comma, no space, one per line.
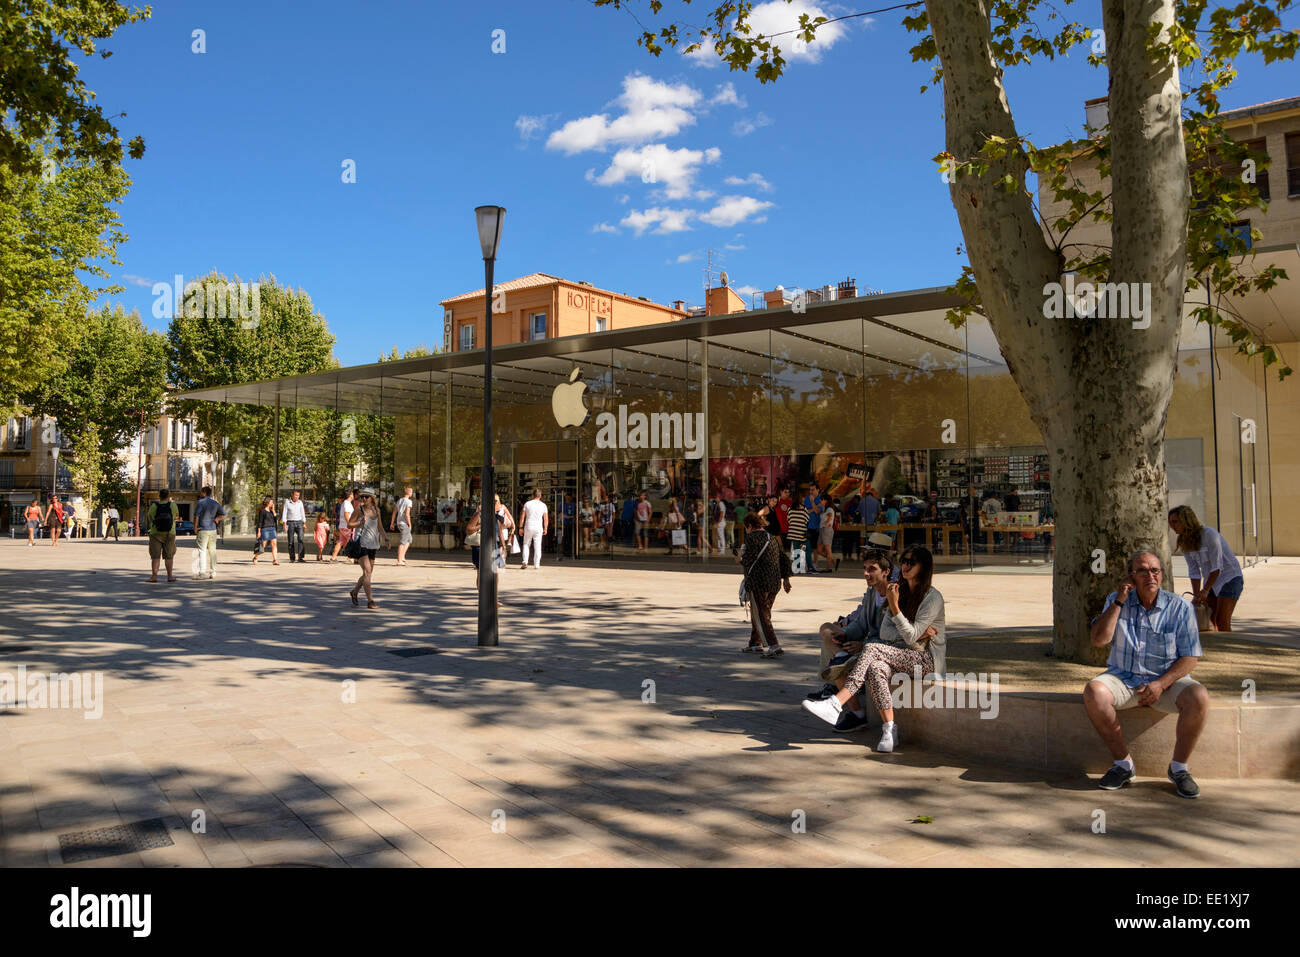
(566,401)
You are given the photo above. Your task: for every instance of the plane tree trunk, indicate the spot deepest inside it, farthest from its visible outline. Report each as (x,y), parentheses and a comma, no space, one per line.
(1097,388)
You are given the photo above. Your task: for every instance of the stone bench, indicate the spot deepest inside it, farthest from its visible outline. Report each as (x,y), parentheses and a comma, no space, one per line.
(1051,731)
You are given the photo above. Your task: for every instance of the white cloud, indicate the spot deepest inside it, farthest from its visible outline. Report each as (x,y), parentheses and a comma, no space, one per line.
(663,219)
(684,258)
(753,179)
(624,199)
(604,228)
(780,16)
(734,209)
(651,110)
(671,170)
(733,246)
(530,126)
(726,96)
(744,126)
(703,194)
(137,280)
(745,290)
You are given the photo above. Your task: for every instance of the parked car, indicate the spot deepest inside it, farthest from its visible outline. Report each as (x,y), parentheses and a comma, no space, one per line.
(184,527)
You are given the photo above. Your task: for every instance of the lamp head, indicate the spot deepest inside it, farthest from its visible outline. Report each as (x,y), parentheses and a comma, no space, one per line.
(490,220)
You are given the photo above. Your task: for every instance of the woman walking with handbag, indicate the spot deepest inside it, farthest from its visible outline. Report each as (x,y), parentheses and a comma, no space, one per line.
(367,534)
(673,521)
(267,523)
(767,570)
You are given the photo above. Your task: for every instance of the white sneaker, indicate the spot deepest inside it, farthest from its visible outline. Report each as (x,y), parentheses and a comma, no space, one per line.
(828,709)
(888,740)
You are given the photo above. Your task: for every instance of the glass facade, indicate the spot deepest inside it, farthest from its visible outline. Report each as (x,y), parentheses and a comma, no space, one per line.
(703,418)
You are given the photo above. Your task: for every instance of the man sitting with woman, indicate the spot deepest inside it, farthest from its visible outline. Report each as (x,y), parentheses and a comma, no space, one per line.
(915,608)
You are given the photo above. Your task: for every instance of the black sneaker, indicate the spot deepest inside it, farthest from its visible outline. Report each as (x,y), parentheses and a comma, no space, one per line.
(825,691)
(849,723)
(1117,777)
(1183,784)
(837,564)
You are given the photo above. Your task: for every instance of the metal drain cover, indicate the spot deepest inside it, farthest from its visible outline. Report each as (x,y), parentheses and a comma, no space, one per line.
(414,652)
(80,846)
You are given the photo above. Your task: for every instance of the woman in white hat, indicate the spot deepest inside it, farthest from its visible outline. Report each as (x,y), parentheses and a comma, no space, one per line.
(368,532)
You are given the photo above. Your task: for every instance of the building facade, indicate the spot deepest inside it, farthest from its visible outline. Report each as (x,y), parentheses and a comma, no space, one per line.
(875,392)
(1248,399)
(541,306)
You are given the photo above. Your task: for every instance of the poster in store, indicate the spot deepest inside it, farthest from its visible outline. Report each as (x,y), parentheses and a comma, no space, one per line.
(679,536)
(446,510)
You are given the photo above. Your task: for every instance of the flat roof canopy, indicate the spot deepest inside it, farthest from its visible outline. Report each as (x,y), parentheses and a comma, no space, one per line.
(879,335)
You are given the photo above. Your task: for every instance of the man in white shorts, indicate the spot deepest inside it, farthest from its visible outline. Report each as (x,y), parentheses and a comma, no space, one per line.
(1154,645)
(536,522)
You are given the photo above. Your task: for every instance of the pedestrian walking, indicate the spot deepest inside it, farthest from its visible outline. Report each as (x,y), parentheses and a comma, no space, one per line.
(401,523)
(673,522)
(766,570)
(266,524)
(537,521)
(342,512)
(33,518)
(366,526)
(643,513)
(162,518)
(207,517)
(53,520)
(322,534)
(110,525)
(294,517)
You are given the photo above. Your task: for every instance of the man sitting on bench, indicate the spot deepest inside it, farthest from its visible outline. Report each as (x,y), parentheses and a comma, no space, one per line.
(1155,646)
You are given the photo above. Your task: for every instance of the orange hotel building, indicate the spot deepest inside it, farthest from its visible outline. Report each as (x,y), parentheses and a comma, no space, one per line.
(541,306)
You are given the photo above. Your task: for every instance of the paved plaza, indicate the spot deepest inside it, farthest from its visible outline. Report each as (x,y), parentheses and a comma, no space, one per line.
(266,708)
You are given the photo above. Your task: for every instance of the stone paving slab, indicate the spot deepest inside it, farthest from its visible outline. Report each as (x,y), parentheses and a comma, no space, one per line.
(269,705)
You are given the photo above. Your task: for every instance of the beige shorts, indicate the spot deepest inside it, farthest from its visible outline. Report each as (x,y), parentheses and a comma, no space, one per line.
(1126,697)
(162,546)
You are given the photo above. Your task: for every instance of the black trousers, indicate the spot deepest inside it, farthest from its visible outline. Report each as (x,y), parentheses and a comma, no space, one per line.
(295,531)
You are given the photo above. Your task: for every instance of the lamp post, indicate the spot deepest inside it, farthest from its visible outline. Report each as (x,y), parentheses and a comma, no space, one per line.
(489,219)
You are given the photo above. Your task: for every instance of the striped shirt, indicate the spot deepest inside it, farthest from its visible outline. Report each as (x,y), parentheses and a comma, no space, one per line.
(797,524)
(1147,643)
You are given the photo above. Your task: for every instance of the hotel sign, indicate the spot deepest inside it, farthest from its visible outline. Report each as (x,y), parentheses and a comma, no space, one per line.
(599,305)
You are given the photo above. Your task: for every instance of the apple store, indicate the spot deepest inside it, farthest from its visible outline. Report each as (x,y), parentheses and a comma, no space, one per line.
(876,392)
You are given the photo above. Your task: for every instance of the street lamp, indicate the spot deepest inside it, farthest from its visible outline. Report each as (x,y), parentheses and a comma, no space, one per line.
(490,219)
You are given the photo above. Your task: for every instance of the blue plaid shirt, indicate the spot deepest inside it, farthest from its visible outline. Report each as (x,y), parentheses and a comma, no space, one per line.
(1147,643)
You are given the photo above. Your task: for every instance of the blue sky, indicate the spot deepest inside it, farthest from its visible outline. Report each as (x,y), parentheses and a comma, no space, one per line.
(823,175)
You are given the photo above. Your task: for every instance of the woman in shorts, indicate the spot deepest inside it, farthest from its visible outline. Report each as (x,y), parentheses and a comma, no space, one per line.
(33,517)
(266,526)
(587,519)
(1216,575)
(369,532)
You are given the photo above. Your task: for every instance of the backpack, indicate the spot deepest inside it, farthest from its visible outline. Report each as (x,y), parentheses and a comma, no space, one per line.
(162,519)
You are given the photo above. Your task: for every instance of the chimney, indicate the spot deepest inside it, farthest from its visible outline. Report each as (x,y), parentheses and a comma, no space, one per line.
(775,298)
(848,289)
(828,293)
(1096,115)
(679,305)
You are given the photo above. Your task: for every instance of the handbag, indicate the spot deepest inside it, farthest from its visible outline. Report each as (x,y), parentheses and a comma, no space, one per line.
(353,548)
(1202,615)
(473,538)
(515,547)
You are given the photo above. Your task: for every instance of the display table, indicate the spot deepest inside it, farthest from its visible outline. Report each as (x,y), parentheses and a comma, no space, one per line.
(1033,531)
(942,529)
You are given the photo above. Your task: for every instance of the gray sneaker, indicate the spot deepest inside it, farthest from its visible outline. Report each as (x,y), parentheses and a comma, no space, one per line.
(1117,777)
(1183,784)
